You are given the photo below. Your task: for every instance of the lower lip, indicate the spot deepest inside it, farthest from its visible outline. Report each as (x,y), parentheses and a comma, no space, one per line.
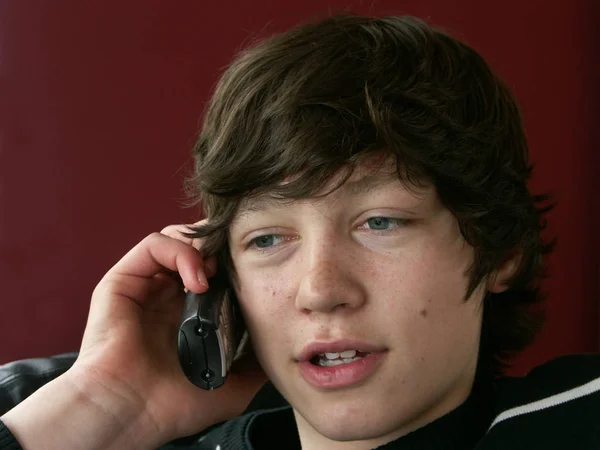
(343,375)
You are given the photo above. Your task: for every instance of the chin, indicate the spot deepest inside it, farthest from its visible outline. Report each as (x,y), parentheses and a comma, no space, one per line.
(377,433)
(358,421)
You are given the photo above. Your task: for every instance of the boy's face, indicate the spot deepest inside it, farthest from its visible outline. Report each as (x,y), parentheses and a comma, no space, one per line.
(372,267)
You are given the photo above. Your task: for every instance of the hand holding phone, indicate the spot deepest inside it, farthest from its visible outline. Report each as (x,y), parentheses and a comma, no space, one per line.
(128,363)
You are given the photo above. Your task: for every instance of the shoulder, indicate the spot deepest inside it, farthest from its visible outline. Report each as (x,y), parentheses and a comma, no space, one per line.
(576,374)
(259,429)
(226,435)
(253,429)
(556,405)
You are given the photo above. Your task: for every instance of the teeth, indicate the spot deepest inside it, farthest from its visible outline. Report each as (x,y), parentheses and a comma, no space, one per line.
(336,362)
(344,354)
(335,359)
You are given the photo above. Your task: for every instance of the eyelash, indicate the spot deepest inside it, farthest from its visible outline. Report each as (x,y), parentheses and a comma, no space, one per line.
(252,244)
(398,222)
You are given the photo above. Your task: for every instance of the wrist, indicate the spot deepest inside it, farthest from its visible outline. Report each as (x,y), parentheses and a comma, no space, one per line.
(123,409)
(76,411)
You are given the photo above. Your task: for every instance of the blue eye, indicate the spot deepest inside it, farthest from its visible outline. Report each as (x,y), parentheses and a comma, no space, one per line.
(380,223)
(265,241)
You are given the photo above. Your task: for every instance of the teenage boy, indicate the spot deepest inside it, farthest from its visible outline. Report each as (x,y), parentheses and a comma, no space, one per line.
(364,183)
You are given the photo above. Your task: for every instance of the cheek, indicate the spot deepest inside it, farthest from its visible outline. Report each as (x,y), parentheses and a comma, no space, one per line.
(442,270)
(263,303)
(424,283)
(424,295)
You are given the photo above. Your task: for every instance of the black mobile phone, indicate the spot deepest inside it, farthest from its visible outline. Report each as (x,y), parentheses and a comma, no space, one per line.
(210,334)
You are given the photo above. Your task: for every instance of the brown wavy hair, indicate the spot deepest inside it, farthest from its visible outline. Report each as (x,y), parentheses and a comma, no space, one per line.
(316,100)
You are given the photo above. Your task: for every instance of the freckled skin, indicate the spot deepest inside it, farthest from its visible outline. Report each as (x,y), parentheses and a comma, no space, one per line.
(328,277)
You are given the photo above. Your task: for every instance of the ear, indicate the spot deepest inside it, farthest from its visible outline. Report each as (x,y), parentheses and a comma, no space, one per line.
(498,280)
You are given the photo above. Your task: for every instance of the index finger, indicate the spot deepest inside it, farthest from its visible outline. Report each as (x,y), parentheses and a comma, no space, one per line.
(158,253)
(178,232)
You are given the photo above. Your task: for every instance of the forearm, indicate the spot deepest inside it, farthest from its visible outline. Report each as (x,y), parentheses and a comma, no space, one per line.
(63,414)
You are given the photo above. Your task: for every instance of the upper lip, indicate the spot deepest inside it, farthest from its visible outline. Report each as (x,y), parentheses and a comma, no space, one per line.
(315,348)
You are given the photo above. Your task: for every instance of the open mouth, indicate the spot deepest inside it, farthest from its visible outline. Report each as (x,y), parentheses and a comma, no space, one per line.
(336,359)
(326,369)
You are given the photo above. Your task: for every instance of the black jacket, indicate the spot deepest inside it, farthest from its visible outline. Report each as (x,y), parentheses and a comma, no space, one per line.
(556,406)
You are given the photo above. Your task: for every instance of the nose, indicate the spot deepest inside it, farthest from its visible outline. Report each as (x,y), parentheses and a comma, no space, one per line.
(331,280)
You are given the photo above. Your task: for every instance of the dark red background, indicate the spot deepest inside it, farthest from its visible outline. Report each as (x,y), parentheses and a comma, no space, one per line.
(100,102)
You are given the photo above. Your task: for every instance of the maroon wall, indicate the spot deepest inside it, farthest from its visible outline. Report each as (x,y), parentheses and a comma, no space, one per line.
(100,101)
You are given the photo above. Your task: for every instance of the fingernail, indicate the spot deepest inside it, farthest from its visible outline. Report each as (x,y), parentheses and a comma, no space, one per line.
(202,278)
